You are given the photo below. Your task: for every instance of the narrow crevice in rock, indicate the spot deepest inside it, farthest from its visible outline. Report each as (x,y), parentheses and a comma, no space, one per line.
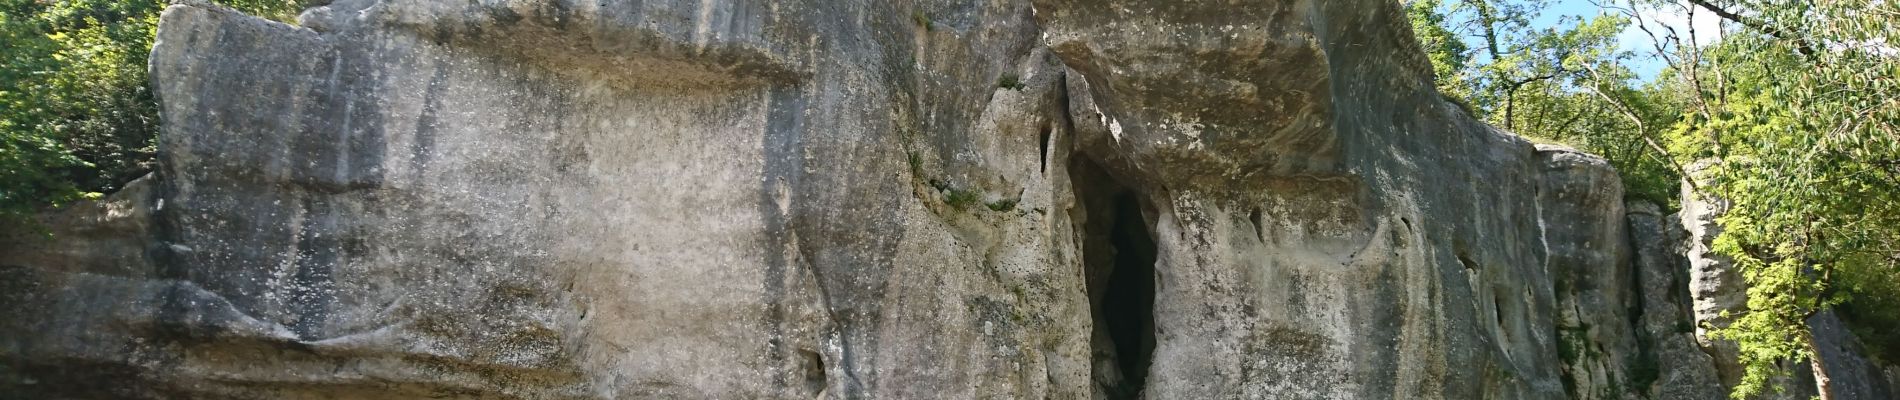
(1119,253)
(1259,224)
(814,372)
(1128,307)
(1497,307)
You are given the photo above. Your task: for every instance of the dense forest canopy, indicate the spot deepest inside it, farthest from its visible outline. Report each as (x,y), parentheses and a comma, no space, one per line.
(1785,109)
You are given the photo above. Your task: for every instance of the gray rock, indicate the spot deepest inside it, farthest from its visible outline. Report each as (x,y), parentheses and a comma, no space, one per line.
(1278,151)
(108,236)
(1841,371)
(1580,201)
(1672,362)
(1714,284)
(837,199)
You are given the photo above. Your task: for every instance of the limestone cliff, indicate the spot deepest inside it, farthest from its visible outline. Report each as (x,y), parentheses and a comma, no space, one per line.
(842,199)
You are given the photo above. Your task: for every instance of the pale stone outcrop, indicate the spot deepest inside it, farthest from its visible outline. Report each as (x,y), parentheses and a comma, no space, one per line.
(841,199)
(1585,232)
(1676,365)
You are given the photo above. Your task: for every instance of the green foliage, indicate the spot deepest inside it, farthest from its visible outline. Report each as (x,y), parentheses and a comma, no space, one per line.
(1873,295)
(1564,84)
(77,114)
(958,198)
(1446,50)
(1010,81)
(922,20)
(961,198)
(1797,105)
(1802,126)
(279,10)
(916,163)
(1002,205)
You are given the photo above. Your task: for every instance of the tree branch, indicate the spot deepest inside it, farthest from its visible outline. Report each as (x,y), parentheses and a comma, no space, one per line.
(1642,128)
(1489,19)
(1802,45)
(1510,98)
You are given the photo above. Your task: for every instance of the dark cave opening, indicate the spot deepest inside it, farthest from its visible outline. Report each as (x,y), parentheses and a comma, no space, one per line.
(1128,304)
(1119,256)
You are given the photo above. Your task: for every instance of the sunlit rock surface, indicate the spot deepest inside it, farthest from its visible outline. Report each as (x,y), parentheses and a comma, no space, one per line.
(841,199)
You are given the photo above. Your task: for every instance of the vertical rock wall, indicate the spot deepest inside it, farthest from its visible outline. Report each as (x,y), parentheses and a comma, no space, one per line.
(1676,366)
(842,199)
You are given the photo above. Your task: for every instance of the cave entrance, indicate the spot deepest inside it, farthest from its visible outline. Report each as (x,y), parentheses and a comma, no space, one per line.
(1119,260)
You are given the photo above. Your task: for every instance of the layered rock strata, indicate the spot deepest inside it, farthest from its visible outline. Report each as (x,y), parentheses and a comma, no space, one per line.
(843,199)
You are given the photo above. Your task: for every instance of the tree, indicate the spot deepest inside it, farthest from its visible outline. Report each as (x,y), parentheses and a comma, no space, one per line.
(1797,104)
(1799,108)
(1446,50)
(77,114)
(1566,83)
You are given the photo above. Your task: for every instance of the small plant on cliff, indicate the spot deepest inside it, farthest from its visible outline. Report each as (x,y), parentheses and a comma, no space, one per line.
(1010,81)
(1002,205)
(920,19)
(916,163)
(961,198)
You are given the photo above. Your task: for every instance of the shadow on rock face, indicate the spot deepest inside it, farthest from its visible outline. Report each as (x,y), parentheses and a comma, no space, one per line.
(1119,258)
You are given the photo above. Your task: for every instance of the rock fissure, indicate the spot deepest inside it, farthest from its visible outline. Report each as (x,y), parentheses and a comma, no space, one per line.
(550,199)
(1119,260)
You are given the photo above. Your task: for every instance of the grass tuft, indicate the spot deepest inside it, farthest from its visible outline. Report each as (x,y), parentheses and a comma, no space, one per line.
(1009,81)
(921,19)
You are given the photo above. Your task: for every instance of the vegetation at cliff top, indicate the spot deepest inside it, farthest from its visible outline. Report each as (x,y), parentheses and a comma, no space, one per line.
(77,112)
(1793,104)
(1568,83)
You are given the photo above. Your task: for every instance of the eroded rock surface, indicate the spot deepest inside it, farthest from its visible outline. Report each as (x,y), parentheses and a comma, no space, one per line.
(1672,360)
(1713,282)
(1069,199)
(110,236)
(1580,201)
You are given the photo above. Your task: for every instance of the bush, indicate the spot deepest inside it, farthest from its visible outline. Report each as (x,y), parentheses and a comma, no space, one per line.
(77,112)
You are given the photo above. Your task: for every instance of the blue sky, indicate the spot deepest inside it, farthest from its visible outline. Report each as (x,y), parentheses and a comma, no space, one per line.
(1679,15)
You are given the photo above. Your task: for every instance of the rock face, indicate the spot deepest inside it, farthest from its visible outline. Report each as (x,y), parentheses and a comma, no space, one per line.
(1580,202)
(1713,282)
(110,236)
(1101,199)
(1839,367)
(1679,367)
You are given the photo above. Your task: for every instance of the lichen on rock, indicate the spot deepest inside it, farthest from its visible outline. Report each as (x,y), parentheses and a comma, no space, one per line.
(1067,199)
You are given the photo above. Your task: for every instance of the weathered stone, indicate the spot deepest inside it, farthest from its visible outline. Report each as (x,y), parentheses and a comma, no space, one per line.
(1714,284)
(666,200)
(1671,361)
(1840,370)
(1580,204)
(1301,254)
(839,199)
(109,236)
